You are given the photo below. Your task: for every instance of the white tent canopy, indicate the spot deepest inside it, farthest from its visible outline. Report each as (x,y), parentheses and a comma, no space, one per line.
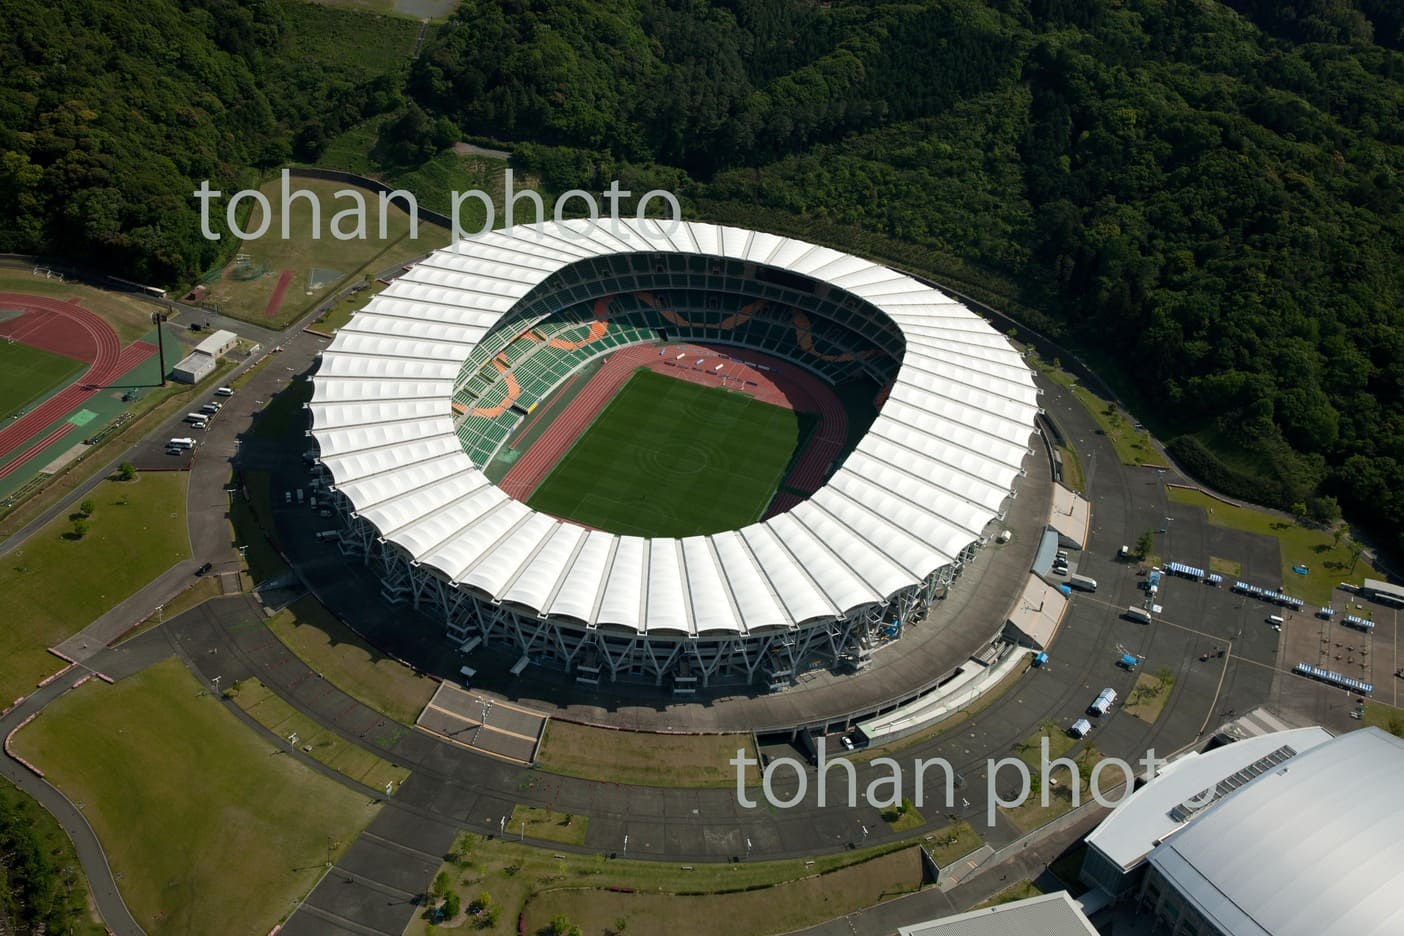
(933,471)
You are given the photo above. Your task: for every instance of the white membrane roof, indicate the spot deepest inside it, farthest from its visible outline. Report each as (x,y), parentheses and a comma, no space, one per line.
(932,472)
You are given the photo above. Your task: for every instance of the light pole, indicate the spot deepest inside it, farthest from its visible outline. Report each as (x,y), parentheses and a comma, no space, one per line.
(502,826)
(626,845)
(157,318)
(748,848)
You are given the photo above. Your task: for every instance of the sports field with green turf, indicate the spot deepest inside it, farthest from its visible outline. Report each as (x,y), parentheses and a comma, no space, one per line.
(671,458)
(26,374)
(206,831)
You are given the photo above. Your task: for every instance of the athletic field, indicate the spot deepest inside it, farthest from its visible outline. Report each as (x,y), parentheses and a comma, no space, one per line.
(672,458)
(26,374)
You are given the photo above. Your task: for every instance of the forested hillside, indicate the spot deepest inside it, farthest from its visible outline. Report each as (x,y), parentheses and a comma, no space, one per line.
(112,112)
(1207,196)
(1203,197)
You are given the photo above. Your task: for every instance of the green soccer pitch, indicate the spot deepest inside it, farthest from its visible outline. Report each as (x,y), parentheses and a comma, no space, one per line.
(27,374)
(672,458)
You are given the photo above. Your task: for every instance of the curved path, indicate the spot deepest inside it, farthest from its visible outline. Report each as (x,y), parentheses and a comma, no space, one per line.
(455,788)
(91,856)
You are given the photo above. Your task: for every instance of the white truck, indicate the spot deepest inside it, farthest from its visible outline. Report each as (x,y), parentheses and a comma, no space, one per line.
(1084,582)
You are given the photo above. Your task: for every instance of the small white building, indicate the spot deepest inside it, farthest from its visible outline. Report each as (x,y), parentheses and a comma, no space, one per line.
(193,368)
(218,344)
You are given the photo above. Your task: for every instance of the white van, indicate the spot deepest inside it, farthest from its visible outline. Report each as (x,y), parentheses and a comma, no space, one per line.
(1103,703)
(1084,582)
(1275,620)
(1138,614)
(225,391)
(196,418)
(209,409)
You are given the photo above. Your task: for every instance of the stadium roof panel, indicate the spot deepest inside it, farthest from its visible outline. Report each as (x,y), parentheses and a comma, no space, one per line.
(934,470)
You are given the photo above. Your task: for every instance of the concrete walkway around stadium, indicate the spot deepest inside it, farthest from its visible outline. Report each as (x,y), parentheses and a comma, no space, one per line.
(453,788)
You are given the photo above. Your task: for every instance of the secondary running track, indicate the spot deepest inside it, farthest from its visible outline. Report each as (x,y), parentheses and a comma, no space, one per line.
(69,329)
(768,379)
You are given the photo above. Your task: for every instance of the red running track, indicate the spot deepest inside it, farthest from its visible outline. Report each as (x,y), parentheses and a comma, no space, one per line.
(18,462)
(98,343)
(275,301)
(769,379)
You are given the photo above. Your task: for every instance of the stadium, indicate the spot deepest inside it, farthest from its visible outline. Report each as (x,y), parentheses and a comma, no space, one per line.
(675,454)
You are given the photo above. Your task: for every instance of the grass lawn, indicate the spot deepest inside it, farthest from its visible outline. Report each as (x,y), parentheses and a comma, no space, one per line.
(1225,566)
(549,825)
(519,876)
(951,843)
(340,755)
(349,663)
(55,586)
(128,315)
(642,758)
(1021,891)
(1133,446)
(340,313)
(356,46)
(205,831)
(1385,717)
(1148,697)
(202,591)
(1033,814)
(26,374)
(780,909)
(438,10)
(339,261)
(1327,562)
(1072,469)
(903,820)
(434,181)
(672,458)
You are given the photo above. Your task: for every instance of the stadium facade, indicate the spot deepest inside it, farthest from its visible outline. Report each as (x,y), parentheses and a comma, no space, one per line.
(419,391)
